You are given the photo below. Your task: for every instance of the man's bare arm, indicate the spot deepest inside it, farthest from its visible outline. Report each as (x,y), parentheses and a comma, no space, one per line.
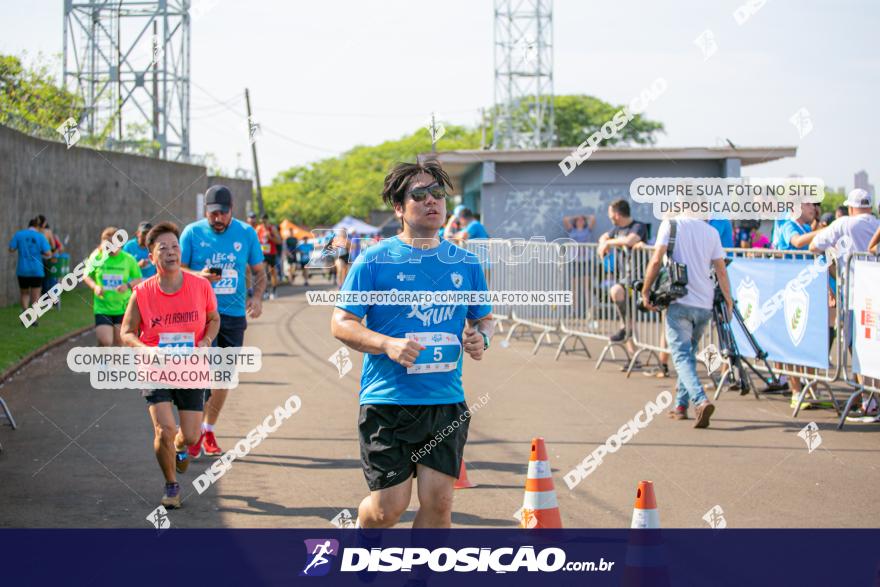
(349,329)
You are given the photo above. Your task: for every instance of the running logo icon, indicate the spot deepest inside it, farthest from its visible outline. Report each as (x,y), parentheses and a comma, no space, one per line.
(715,518)
(319,556)
(340,359)
(159,518)
(457,280)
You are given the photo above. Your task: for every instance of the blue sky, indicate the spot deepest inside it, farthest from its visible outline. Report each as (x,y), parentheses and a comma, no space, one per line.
(335,74)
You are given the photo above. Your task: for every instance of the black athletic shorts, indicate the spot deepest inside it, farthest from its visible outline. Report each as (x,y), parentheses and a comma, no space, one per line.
(184,399)
(231,334)
(269,259)
(25,282)
(108,319)
(395,438)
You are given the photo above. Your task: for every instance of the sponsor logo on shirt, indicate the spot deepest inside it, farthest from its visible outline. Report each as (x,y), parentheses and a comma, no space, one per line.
(430,315)
(457,280)
(405,277)
(237,246)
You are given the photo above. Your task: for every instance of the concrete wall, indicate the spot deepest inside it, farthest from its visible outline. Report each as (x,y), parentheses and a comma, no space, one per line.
(530,199)
(81,191)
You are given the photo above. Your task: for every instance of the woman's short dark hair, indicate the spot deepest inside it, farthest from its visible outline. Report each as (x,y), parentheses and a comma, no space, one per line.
(397,182)
(159,230)
(621,207)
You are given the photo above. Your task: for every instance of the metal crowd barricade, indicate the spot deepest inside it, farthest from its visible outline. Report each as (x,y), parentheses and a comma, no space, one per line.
(861,383)
(494,254)
(593,314)
(649,328)
(520,265)
(535,266)
(813,378)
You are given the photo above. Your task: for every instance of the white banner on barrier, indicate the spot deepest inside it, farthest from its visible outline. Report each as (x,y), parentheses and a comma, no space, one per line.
(866,318)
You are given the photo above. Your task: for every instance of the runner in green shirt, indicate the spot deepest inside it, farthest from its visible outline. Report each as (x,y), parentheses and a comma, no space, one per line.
(112,277)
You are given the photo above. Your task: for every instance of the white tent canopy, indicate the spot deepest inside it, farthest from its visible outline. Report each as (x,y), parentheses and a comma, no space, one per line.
(355,226)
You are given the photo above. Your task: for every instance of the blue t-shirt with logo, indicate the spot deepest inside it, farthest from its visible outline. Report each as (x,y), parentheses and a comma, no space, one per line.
(30,245)
(476,230)
(232,250)
(784,232)
(392,264)
(140,253)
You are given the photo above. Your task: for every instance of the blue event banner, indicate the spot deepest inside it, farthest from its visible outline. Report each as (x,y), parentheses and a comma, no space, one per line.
(784,304)
(459,557)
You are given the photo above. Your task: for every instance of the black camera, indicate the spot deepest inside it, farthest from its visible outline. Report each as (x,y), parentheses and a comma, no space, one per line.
(670,285)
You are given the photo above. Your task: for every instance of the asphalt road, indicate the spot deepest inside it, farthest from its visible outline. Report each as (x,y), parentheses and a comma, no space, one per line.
(83,457)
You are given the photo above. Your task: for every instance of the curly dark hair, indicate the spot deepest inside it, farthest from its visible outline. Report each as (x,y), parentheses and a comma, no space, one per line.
(397,182)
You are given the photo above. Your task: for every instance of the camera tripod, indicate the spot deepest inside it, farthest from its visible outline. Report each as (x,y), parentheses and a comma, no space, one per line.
(738,366)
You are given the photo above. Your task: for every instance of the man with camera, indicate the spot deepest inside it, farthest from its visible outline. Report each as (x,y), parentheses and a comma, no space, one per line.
(695,248)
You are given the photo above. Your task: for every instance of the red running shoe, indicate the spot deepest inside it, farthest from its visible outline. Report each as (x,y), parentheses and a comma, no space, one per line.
(195,450)
(211,447)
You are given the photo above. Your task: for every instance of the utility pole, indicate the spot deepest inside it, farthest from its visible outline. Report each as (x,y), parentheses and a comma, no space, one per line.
(433,134)
(482,128)
(155,63)
(251,131)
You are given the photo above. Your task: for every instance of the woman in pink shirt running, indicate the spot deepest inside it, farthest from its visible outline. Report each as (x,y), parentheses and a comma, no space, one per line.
(172,308)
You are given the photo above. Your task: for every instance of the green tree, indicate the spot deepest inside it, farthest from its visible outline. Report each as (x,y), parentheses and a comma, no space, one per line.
(31,101)
(832,200)
(579,116)
(351,184)
(323,192)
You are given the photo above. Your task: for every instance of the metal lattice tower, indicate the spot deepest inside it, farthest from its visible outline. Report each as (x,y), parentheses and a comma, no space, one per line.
(129,61)
(523,74)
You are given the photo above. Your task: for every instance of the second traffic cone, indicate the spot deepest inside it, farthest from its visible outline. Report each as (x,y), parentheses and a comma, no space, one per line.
(645,514)
(645,564)
(540,508)
(463,482)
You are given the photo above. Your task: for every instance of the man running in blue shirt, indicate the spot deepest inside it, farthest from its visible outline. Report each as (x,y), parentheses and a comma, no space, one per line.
(137,248)
(32,248)
(413,415)
(221,248)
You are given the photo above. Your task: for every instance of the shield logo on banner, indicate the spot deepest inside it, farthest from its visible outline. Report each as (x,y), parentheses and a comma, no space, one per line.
(797,302)
(747,300)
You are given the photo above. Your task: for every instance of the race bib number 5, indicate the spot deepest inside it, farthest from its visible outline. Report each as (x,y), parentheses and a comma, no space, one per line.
(442,352)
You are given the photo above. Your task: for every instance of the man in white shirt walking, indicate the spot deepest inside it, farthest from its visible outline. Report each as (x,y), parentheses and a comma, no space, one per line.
(698,246)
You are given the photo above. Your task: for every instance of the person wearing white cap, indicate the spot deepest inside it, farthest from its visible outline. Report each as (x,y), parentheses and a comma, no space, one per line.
(858,227)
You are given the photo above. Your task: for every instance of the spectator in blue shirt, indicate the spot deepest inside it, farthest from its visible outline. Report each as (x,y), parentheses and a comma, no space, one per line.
(473,228)
(32,247)
(136,247)
(725,231)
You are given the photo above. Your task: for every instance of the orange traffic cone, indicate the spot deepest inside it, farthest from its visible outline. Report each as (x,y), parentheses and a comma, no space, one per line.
(540,508)
(463,482)
(645,555)
(645,514)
